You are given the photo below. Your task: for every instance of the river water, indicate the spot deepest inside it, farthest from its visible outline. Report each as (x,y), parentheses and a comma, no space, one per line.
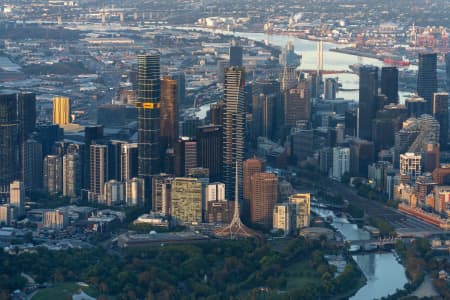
(308,49)
(384,274)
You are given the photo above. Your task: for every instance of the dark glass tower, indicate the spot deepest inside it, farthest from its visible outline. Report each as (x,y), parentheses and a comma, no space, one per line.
(9,147)
(389,84)
(235,55)
(440,113)
(447,70)
(233,128)
(427,78)
(148,96)
(209,150)
(368,92)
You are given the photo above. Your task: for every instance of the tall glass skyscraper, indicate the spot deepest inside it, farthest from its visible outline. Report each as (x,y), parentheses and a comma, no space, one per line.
(233,128)
(9,148)
(389,84)
(148,96)
(368,91)
(427,79)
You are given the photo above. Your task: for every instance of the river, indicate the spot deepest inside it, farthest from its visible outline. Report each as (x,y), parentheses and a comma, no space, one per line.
(383,273)
(308,50)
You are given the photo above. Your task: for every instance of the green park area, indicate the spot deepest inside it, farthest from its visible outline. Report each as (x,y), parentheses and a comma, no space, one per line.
(64,291)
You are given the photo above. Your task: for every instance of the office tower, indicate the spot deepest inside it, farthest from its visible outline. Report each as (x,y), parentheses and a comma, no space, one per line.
(427,78)
(250,167)
(362,154)
(325,160)
(114,159)
(410,167)
(169,112)
(288,78)
(98,170)
(55,219)
(210,150)
(128,161)
(302,209)
(17,197)
(53,174)
(351,123)
(135,192)
(270,88)
(303,144)
(263,198)
(331,88)
(389,84)
(288,56)
(283,217)
(236,55)
(416,106)
(234,128)
(180,79)
(161,193)
(186,200)
(148,117)
(26,108)
(388,121)
(368,90)
(377,173)
(341,162)
(48,135)
(31,166)
(71,175)
(61,110)
(447,70)
(114,193)
(202,175)
(263,117)
(9,148)
(185,156)
(93,133)
(221,65)
(297,103)
(440,113)
(217,113)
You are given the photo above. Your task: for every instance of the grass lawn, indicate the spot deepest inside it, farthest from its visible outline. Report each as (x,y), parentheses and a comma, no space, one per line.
(301,274)
(63,291)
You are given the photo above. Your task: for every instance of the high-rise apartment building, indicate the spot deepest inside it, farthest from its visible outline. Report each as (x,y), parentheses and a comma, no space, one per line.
(31,164)
(283,217)
(149,96)
(234,128)
(368,92)
(389,84)
(98,171)
(263,198)
(53,174)
(135,192)
(128,161)
(61,110)
(114,193)
(161,193)
(185,156)
(440,113)
(427,78)
(71,175)
(250,167)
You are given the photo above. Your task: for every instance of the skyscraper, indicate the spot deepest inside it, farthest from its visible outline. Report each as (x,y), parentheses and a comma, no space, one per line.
(186,200)
(251,166)
(53,174)
(368,91)
(297,103)
(169,111)
(98,170)
(148,116)
(217,112)
(440,113)
(71,175)
(235,55)
(447,70)
(161,193)
(389,84)
(427,78)
(9,148)
(263,198)
(114,159)
(210,150)
(128,161)
(26,103)
(61,110)
(234,128)
(17,197)
(302,208)
(185,156)
(31,166)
